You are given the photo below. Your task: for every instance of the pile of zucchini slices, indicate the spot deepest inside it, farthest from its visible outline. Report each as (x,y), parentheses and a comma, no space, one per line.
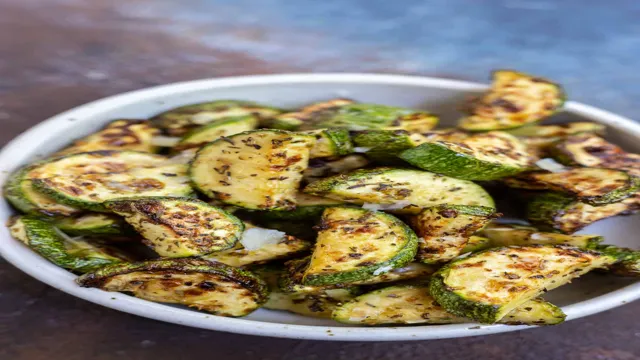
(363,213)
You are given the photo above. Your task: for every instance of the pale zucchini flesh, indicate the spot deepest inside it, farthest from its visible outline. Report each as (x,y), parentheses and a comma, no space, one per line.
(307,116)
(514,100)
(212,287)
(180,227)
(238,256)
(226,127)
(259,169)
(132,135)
(504,235)
(558,131)
(319,168)
(94,224)
(488,156)
(355,244)
(330,143)
(419,189)
(488,285)
(444,231)
(476,243)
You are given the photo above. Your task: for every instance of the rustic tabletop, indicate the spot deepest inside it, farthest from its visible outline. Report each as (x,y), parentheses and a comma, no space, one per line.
(56,54)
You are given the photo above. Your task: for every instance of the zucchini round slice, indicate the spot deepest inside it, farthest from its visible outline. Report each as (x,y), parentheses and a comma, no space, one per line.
(488,285)
(180,227)
(94,225)
(330,143)
(594,186)
(307,116)
(79,255)
(20,193)
(419,189)
(444,230)
(504,235)
(489,156)
(132,135)
(562,213)
(321,168)
(225,127)
(412,304)
(87,180)
(373,116)
(355,244)
(258,169)
(515,99)
(212,287)
(179,121)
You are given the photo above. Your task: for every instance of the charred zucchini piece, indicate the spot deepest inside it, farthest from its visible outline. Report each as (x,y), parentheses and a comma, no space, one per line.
(373,116)
(489,156)
(419,189)
(307,116)
(200,136)
(94,224)
(355,244)
(505,235)
(444,230)
(562,213)
(330,143)
(259,169)
(20,193)
(133,135)
(476,243)
(180,227)
(307,207)
(488,285)
(79,255)
(181,120)
(212,287)
(558,131)
(626,268)
(594,186)
(515,99)
(320,168)
(87,180)
(593,151)
(412,304)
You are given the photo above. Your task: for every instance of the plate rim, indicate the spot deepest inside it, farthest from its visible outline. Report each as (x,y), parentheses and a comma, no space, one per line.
(35,266)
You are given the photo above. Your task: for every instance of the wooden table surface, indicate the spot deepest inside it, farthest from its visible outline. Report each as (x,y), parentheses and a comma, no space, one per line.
(56,54)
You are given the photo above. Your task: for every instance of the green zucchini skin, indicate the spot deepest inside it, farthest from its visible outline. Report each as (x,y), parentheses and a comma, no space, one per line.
(363,272)
(42,237)
(384,145)
(306,117)
(94,225)
(330,143)
(374,116)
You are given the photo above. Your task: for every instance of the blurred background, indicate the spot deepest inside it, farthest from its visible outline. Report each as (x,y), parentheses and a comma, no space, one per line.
(56,54)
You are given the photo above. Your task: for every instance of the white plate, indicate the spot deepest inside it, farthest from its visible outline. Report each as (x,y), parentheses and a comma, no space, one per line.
(589,295)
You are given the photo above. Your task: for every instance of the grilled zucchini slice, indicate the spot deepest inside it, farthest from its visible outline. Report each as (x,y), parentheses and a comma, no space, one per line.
(200,136)
(476,243)
(444,230)
(593,151)
(259,169)
(374,116)
(515,99)
(488,285)
(355,244)
(124,134)
(79,255)
(87,180)
(412,304)
(419,189)
(20,193)
(330,143)
(558,131)
(321,168)
(562,213)
(180,227)
(307,116)
(594,186)
(94,224)
(212,287)
(489,156)
(505,235)
(307,207)
(179,121)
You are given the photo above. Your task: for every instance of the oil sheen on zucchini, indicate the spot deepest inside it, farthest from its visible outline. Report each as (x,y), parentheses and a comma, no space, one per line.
(594,186)
(212,287)
(488,285)
(515,99)
(443,231)
(489,156)
(307,116)
(259,169)
(87,180)
(374,116)
(355,244)
(384,185)
(180,227)
(198,137)
(79,255)
(412,304)
(134,135)
(562,213)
